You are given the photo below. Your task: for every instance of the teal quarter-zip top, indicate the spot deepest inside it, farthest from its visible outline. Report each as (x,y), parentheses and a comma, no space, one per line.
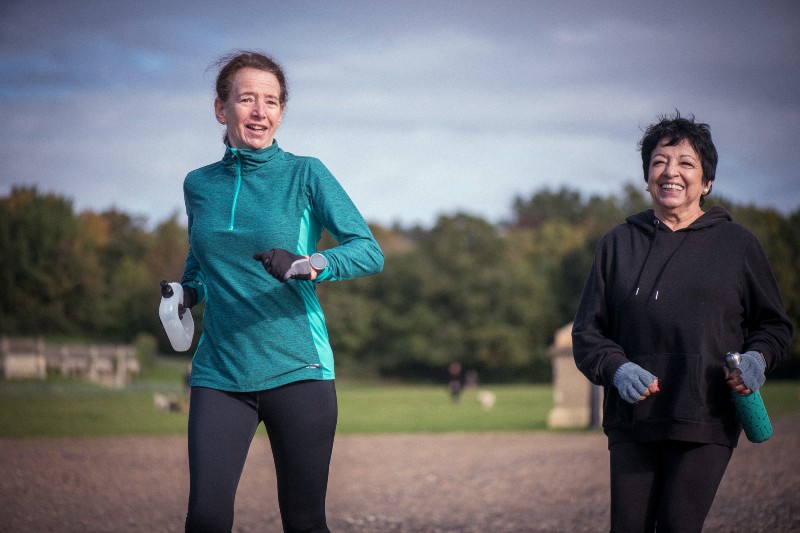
(236,156)
(259,333)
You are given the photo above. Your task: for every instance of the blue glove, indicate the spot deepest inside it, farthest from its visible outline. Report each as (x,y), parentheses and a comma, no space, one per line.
(284,265)
(752,366)
(632,381)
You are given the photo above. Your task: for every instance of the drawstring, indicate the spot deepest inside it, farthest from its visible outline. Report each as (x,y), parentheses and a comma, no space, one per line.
(656,222)
(664,268)
(238,158)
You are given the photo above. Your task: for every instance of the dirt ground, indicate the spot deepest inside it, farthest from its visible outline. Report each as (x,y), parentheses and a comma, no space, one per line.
(384,483)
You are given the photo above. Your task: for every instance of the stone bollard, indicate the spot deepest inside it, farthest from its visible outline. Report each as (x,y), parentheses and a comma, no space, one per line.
(575,399)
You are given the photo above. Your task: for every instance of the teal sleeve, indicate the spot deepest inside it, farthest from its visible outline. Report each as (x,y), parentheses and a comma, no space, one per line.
(358,253)
(193,277)
(192,273)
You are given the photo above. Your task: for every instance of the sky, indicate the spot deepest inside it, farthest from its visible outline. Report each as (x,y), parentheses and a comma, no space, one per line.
(419,108)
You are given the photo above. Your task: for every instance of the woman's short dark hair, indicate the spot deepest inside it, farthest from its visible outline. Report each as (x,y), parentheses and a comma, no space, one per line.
(675,130)
(232,63)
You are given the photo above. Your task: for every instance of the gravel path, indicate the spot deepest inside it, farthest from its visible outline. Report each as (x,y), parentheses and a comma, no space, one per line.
(384,483)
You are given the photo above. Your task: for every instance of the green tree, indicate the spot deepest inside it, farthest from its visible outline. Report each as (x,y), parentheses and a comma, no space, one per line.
(42,259)
(489,296)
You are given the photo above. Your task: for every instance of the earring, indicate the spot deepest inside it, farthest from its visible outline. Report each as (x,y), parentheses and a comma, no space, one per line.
(705,191)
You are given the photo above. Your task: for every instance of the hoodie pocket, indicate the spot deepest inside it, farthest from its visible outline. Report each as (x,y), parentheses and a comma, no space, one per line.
(679,387)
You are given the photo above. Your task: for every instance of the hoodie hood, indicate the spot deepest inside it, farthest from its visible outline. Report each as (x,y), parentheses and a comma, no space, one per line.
(647,222)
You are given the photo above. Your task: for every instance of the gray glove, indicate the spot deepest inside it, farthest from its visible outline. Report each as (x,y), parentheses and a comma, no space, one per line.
(632,380)
(752,366)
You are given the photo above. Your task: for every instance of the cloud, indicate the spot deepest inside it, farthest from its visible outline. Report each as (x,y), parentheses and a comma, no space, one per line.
(419,109)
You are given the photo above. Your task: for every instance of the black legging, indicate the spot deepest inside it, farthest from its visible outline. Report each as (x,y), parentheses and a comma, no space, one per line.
(301,421)
(666,485)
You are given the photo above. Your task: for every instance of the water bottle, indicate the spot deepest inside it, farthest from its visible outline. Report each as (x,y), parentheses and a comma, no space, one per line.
(752,412)
(179,330)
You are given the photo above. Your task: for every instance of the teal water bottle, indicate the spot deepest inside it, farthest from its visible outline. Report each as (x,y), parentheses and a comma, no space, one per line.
(751,409)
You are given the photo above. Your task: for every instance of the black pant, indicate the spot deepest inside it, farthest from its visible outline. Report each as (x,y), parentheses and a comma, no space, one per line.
(668,485)
(301,421)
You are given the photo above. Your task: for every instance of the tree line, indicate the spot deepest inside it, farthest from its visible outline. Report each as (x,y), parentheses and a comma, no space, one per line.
(489,296)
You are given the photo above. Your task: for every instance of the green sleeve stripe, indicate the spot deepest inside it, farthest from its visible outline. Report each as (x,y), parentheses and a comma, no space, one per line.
(310,231)
(319,333)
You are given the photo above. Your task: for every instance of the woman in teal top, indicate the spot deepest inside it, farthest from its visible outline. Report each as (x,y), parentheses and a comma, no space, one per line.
(254,221)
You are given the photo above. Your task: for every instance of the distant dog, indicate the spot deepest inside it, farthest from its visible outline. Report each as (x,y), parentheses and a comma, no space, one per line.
(166,402)
(486,399)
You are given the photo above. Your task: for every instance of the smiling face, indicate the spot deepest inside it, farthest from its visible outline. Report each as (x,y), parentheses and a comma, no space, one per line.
(253,109)
(675,182)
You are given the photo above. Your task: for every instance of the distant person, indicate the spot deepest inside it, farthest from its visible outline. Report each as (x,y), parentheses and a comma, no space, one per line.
(454,384)
(470,379)
(264,354)
(187,375)
(670,292)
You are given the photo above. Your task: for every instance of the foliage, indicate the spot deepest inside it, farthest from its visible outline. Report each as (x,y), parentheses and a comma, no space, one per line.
(91,275)
(145,347)
(489,296)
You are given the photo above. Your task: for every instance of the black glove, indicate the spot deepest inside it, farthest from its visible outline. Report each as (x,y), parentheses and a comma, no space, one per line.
(284,265)
(189,299)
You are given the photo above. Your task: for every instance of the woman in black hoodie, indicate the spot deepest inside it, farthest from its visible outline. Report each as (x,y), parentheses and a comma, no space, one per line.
(670,292)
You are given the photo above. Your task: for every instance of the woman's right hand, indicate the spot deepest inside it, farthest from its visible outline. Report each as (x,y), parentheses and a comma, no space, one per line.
(634,383)
(189,299)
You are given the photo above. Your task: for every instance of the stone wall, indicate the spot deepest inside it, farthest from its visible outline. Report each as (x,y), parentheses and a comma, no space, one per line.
(111,365)
(22,358)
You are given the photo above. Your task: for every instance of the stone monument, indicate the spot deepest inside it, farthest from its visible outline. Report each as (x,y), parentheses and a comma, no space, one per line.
(576,401)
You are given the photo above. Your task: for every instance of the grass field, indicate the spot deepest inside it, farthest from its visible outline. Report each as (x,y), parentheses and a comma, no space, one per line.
(62,407)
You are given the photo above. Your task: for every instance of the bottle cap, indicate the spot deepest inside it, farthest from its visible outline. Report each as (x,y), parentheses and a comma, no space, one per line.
(166,289)
(732,360)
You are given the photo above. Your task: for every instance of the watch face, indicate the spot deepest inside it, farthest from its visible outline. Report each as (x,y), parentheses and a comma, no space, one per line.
(318,261)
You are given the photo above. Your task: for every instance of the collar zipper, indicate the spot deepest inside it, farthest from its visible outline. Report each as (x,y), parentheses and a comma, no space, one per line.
(235,153)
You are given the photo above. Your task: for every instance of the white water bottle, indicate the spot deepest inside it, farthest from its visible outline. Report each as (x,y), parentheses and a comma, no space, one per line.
(179,330)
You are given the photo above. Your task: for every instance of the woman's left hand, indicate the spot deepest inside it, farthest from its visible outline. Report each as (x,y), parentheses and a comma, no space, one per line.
(749,376)
(735,382)
(284,265)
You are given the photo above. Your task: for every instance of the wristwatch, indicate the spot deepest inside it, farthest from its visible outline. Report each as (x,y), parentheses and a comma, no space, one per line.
(318,261)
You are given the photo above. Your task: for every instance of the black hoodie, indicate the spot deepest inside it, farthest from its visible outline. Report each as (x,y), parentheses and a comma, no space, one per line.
(675,302)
